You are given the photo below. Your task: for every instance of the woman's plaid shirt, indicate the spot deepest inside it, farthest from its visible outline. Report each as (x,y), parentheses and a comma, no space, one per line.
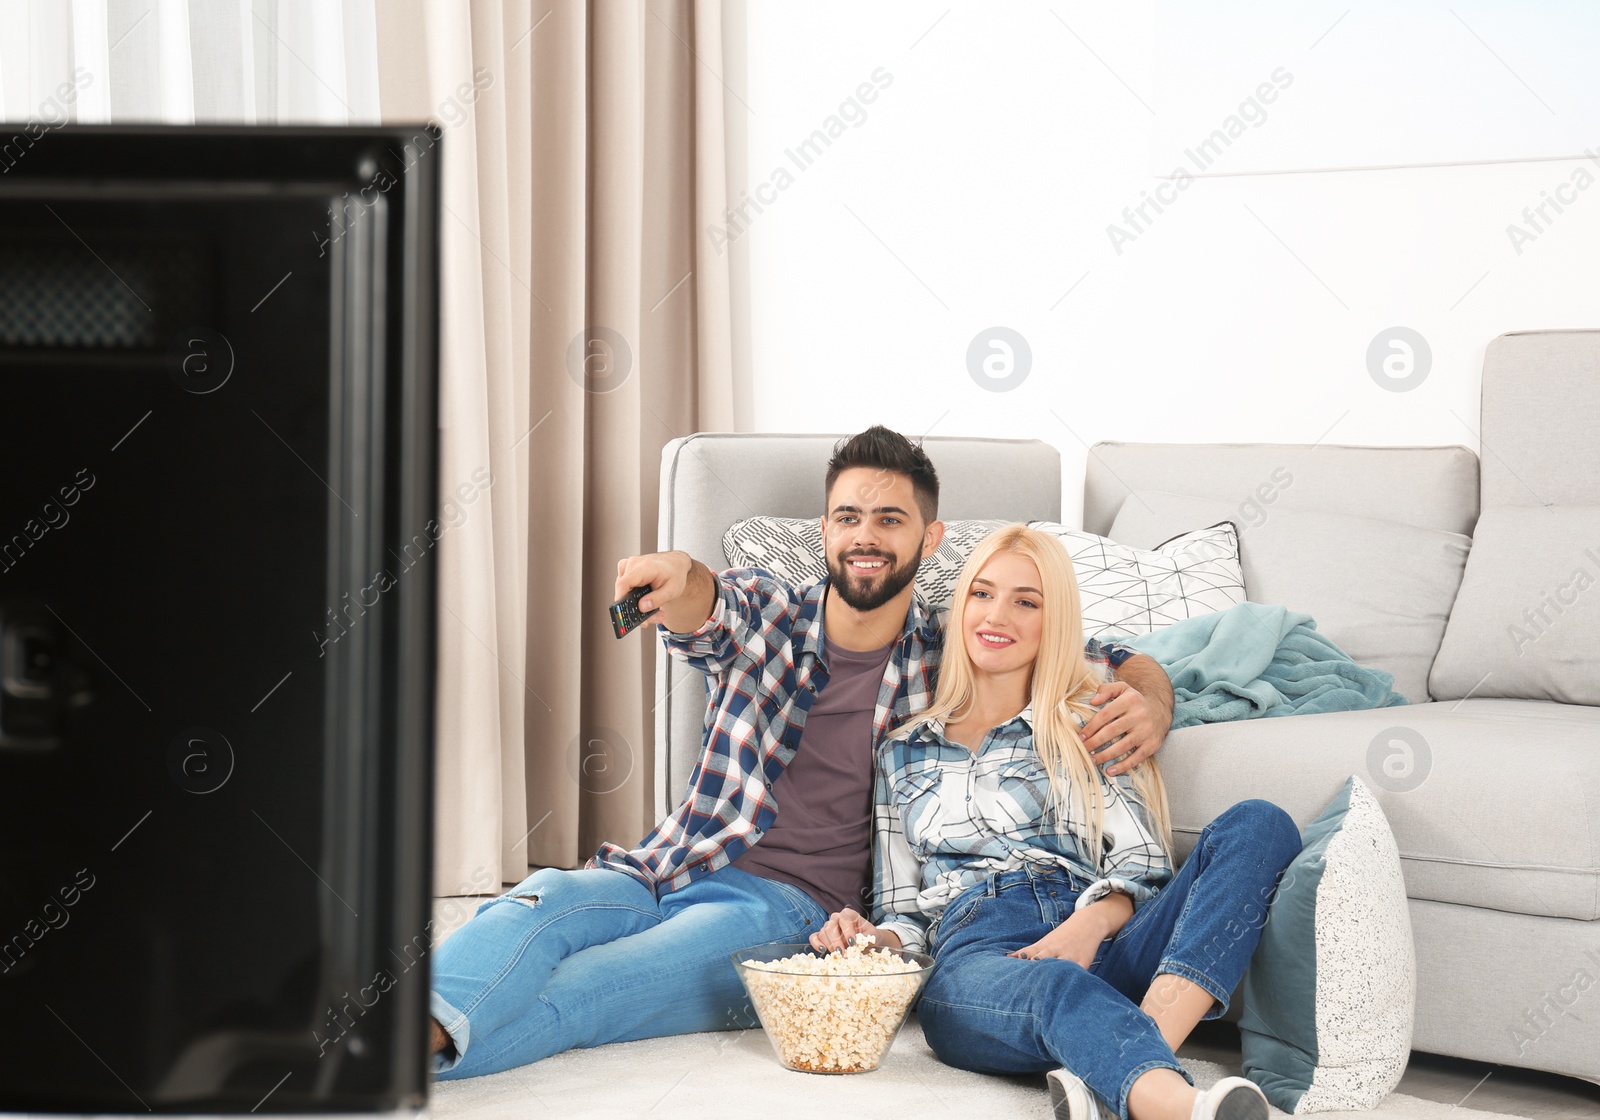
(947,818)
(761,652)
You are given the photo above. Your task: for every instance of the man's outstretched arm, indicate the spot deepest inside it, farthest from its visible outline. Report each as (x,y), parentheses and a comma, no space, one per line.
(682,588)
(1138,707)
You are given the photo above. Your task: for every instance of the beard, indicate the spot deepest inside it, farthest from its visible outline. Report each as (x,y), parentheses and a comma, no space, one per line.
(867,593)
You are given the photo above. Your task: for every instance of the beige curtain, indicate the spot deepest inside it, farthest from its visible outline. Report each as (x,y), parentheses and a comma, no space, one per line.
(585,324)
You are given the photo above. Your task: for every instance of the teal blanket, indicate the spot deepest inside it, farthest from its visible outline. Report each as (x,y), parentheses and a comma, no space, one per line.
(1253,660)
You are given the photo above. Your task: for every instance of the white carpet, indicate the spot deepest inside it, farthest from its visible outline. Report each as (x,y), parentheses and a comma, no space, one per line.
(700,1075)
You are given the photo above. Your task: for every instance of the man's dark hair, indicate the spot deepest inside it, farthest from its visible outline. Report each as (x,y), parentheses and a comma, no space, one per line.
(882,449)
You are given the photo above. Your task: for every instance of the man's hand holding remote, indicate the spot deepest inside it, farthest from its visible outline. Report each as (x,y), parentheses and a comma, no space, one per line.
(683,590)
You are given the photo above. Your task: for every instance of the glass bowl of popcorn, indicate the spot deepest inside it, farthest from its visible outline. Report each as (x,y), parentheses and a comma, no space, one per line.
(833,1012)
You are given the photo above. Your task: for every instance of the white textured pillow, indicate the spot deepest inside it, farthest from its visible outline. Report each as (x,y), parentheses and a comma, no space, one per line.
(1124,591)
(1329,997)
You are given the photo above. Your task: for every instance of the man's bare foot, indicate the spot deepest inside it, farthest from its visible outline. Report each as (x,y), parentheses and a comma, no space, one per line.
(438,1040)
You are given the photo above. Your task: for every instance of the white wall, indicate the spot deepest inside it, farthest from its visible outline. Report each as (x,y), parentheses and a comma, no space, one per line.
(979,188)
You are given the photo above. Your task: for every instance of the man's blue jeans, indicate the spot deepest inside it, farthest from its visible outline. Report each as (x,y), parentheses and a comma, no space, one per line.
(581,958)
(988,1012)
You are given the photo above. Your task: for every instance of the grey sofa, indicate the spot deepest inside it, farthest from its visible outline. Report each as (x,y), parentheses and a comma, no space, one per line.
(1493,795)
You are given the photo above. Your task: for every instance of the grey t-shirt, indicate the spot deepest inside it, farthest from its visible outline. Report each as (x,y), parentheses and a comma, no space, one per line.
(820,840)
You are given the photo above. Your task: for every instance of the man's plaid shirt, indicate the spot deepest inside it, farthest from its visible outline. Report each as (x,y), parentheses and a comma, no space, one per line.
(761,650)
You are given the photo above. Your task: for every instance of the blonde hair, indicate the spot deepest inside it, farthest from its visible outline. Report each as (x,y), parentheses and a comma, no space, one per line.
(1060,688)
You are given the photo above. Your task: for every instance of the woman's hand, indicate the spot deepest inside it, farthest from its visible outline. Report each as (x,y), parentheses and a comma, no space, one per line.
(1078,938)
(841,930)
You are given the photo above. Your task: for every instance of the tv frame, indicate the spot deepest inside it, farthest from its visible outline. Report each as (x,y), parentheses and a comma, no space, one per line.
(383,184)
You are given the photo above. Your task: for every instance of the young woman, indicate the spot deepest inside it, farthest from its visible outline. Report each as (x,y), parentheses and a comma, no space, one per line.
(1043,887)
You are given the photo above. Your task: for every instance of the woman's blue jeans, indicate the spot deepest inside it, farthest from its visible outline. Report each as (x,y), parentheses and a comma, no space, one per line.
(581,958)
(991,1013)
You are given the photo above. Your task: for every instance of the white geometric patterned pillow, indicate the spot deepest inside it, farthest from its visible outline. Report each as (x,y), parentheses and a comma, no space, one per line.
(1128,591)
(791,549)
(1124,591)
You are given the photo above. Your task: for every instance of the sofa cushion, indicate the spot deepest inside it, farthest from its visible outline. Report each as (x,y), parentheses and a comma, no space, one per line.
(1527,620)
(1435,487)
(1380,590)
(1124,591)
(1492,802)
(1540,408)
(1330,994)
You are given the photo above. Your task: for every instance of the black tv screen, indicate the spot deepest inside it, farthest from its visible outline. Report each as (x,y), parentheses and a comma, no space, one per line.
(218,466)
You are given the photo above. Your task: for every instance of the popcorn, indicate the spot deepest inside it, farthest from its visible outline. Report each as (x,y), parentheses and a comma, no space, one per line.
(837,1013)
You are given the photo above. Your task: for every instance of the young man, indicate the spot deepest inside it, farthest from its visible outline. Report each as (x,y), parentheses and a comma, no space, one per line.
(774,835)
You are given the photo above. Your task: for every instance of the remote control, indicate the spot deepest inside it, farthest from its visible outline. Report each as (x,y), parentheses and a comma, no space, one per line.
(625,616)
